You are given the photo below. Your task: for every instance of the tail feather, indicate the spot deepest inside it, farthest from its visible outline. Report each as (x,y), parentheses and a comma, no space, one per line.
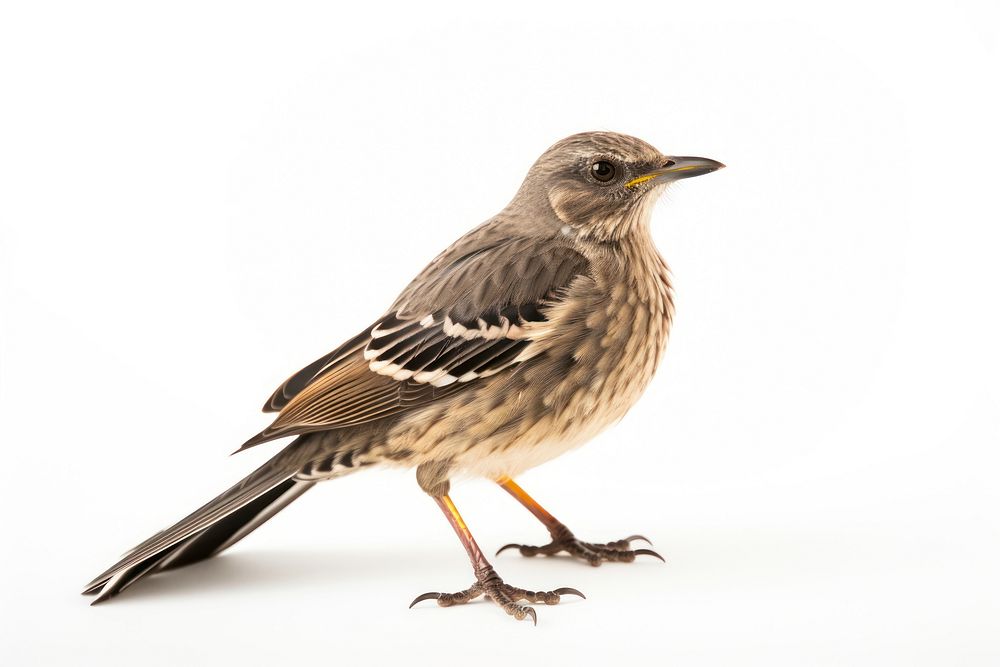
(207,543)
(215,526)
(228,531)
(115,584)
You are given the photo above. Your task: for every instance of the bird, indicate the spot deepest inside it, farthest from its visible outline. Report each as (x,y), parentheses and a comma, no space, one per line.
(522,340)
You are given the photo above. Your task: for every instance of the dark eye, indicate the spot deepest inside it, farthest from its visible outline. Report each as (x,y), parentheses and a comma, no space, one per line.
(603,171)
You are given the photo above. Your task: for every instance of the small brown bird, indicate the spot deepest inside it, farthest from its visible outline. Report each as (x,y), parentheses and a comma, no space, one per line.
(524,339)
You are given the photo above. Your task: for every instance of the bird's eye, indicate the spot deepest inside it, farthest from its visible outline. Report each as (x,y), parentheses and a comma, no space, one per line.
(603,171)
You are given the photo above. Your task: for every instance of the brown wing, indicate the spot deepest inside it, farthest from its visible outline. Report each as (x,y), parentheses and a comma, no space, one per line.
(296,383)
(471,314)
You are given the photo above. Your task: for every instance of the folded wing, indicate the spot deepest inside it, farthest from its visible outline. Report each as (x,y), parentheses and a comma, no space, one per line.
(474,312)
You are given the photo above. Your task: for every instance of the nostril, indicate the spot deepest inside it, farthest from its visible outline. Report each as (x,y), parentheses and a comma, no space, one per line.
(668,164)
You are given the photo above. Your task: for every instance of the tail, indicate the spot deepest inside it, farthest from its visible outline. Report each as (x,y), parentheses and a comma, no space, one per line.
(214,527)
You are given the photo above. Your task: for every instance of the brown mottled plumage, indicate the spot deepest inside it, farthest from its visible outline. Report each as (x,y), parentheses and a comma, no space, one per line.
(523,339)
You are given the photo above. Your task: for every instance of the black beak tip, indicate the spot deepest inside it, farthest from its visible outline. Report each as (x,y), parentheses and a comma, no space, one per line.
(709,165)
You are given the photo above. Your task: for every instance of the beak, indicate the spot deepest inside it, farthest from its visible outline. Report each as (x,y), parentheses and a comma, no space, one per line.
(676,168)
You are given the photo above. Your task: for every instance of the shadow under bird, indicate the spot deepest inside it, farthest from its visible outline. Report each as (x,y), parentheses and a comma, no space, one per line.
(522,340)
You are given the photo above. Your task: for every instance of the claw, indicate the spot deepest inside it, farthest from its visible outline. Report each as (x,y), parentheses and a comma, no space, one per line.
(507,546)
(632,538)
(649,552)
(425,596)
(569,591)
(531,612)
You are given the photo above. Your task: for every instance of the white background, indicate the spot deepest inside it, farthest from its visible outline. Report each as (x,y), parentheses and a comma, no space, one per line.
(199,199)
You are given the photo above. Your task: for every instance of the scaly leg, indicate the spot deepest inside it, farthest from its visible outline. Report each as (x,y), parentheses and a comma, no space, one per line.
(564,540)
(488,582)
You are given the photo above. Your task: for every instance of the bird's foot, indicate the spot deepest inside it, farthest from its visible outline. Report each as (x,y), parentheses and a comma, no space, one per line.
(489,584)
(620,551)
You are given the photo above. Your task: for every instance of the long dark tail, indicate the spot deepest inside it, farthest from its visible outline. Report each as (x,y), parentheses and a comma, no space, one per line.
(215,526)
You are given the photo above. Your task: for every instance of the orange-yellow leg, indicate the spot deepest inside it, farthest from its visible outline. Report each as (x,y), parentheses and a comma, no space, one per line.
(488,582)
(564,540)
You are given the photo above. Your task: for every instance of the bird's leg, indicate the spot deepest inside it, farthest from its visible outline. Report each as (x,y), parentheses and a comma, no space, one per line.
(564,540)
(488,582)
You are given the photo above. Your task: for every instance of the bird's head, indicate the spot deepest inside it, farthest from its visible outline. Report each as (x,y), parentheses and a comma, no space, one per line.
(602,185)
